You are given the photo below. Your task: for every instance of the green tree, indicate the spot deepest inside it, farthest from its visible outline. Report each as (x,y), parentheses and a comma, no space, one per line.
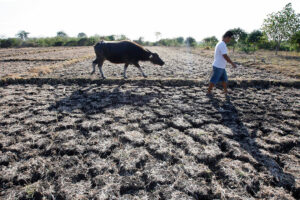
(295,40)
(254,38)
(61,34)
(210,41)
(10,42)
(81,35)
(23,35)
(239,37)
(190,42)
(282,25)
(180,40)
(111,37)
(140,40)
(121,37)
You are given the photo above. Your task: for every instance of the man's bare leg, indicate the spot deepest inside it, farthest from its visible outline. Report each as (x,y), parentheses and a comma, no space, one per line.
(210,87)
(224,84)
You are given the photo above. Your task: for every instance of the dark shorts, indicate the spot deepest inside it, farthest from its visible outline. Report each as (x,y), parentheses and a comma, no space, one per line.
(219,75)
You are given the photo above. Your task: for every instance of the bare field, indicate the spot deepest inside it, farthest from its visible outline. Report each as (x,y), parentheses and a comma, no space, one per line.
(179,63)
(286,63)
(67,135)
(24,62)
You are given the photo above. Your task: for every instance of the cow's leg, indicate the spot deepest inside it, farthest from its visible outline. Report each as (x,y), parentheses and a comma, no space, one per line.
(94,65)
(139,67)
(100,63)
(125,68)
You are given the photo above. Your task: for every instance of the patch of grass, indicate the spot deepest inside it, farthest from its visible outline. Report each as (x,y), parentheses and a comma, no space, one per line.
(46,69)
(11,76)
(202,133)
(287,63)
(30,190)
(240,173)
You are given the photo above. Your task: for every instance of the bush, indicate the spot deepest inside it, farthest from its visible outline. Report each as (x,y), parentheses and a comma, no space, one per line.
(247,48)
(5,43)
(190,42)
(180,40)
(168,42)
(58,43)
(81,35)
(71,42)
(11,42)
(83,42)
(29,44)
(254,37)
(210,41)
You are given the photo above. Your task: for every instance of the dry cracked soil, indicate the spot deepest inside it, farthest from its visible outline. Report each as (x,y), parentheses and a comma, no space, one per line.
(73,138)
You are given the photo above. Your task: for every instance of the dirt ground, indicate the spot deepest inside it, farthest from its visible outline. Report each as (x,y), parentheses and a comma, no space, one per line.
(23,62)
(68,135)
(179,63)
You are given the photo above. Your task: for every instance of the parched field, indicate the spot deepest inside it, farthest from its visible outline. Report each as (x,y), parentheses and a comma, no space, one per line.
(67,135)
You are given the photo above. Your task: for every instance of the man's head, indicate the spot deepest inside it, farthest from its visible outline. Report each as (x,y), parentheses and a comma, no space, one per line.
(227,36)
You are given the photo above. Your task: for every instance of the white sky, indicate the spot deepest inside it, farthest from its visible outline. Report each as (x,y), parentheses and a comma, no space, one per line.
(135,18)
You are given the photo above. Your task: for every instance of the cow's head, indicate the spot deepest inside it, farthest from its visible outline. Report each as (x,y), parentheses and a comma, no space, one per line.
(155,59)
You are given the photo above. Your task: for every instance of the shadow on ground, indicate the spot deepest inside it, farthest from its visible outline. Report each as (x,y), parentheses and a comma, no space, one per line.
(90,101)
(247,140)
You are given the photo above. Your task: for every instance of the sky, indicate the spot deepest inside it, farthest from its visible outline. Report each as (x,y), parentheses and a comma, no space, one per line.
(135,18)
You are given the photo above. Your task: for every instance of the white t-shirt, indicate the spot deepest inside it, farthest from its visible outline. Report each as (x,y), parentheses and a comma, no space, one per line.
(220,50)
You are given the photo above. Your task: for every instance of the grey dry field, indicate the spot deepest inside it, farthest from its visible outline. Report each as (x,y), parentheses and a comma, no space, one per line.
(149,140)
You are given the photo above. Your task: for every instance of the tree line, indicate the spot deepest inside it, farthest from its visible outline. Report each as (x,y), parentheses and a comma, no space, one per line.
(61,39)
(279,31)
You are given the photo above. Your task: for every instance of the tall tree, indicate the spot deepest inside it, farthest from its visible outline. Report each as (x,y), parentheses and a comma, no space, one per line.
(157,35)
(190,42)
(296,39)
(61,34)
(255,37)
(282,25)
(23,35)
(239,37)
(210,41)
(180,40)
(81,35)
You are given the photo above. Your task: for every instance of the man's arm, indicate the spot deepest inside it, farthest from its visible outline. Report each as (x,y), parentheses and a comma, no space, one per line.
(229,60)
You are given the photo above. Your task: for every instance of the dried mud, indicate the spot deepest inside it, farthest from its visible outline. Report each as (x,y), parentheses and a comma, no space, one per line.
(179,63)
(71,138)
(19,61)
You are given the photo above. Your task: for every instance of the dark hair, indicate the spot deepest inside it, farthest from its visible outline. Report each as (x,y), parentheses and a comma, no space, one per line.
(228,34)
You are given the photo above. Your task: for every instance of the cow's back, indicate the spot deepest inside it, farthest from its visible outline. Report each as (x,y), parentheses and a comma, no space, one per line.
(121,52)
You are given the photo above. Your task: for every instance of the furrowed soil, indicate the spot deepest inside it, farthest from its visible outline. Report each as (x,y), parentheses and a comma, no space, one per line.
(68,135)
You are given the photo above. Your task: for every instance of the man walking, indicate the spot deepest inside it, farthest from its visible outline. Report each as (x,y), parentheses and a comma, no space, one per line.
(219,65)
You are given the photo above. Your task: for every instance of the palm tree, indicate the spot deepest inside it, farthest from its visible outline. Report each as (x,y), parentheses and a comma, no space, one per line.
(23,35)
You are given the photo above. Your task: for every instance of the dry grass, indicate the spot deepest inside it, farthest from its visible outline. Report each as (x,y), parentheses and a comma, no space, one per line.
(287,63)
(46,69)
(11,76)
(13,52)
